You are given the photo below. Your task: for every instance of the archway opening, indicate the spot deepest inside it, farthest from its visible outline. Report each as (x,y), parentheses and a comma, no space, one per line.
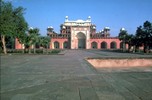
(113,45)
(104,45)
(81,40)
(56,45)
(94,45)
(65,45)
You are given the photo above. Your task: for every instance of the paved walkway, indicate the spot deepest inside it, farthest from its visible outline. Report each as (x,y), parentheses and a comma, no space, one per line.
(70,77)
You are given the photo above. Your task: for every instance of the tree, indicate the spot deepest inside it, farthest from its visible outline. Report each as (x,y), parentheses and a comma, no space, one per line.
(44,42)
(122,36)
(23,39)
(10,42)
(12,22)
(144,35)
(130,41)
(33,35)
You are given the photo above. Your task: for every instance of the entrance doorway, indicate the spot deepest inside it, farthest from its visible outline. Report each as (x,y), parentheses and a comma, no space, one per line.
(65,45)
(81,40)
(94,45)
(56,45)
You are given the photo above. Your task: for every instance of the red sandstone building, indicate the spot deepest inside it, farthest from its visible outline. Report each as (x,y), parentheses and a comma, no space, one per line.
(80,34)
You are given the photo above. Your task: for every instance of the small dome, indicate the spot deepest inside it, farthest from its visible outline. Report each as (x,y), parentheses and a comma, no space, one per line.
(94,27)
(50,27)
(31,28)
(63,27)
(66,17)
(107,28)
(89,17)
(122,29)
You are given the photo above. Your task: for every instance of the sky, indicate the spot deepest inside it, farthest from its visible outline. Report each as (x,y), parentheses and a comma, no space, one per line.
(104,13)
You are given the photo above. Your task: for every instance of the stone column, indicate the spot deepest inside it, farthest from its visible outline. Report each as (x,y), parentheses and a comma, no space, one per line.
(88,39)
(72,40)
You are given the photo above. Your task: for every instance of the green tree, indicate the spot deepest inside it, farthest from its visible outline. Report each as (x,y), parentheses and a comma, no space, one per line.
(22,28)
(130,41)
(144,35)
(33,35)
(12,22)
(23,39)
(123,37)
(44,42)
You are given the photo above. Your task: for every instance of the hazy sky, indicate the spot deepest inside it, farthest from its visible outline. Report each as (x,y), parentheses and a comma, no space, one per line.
(113,13)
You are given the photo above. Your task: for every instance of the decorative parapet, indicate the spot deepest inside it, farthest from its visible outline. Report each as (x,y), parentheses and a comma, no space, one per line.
(61,36)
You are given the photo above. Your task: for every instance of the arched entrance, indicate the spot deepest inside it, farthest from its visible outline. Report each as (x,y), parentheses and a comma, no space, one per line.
(65,45)
(103,45)
(56,45)
(94,45)
(113,45)
(81,40)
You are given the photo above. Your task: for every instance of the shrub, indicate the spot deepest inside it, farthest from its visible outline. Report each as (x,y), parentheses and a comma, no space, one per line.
(55,51)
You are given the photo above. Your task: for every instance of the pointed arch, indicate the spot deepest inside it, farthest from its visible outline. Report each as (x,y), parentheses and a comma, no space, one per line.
(65,45)
(103,45)
(81,40)
(56,45)
(94,45)
(113,45)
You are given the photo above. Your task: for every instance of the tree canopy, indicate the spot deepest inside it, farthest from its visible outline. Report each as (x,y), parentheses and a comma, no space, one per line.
(144,35)
(123,37)
(12,22)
